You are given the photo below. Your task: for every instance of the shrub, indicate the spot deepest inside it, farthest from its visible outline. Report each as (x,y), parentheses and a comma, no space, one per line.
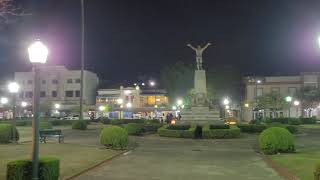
(151,127)
(104,120)
(45,125)
(311,120)
(79,124)
(114,137)
(294,121)
(22,169)
(292,129)
(219,126)
(134,128)
(179,131)
(126,121)
(317,171)
(252,128)
(6,132)
(61,122)
(208,131)
(276,139)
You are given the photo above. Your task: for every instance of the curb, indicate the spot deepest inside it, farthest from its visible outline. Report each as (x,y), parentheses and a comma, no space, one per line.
(281,171)
(96,165)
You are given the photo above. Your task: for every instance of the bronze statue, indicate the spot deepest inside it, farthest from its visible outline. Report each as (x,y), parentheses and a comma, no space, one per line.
(199,52)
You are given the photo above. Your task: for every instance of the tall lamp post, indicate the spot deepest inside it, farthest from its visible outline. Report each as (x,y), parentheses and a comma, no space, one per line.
(289,99)
(257,83)
(38,54)
(13,88)
(226,103)
(296,103)
(120,102)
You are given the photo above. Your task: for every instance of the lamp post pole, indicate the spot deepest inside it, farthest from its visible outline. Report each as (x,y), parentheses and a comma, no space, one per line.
(35,123)
(82,58)
(14,118)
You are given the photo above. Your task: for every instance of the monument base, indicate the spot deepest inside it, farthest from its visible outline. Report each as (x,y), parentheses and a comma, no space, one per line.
(200,115)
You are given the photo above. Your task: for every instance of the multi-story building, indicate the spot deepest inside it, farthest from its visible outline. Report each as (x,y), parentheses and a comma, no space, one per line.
(58,86)
(285,85)
(132,100)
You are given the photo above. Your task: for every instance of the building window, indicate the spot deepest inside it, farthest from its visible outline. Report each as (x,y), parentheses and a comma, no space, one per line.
(78,80)
(29,94)
(29,81)
(42,94)
(54,94)
(43,81)
(292,91)
(69,93)
(69,81)
(54,81)
(21,94)
(275,90)
(77,93)
(259,92)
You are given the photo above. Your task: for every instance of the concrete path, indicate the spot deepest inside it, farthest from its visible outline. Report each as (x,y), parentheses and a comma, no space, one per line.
(186,159)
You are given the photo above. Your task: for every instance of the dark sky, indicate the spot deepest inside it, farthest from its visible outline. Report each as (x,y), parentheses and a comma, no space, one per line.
(127,38)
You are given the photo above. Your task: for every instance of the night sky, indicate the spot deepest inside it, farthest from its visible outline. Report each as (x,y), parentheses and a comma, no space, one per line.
(128,38)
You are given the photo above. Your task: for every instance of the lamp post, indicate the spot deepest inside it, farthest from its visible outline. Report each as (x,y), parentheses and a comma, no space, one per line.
(226,103)
(257,83)
(13,88)
(120,102)
(289,99)
(38,54)
(296,103)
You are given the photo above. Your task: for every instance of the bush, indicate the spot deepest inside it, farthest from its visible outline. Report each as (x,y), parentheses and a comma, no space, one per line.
(114,137)
(317,171)
(22,169)
(219,126)
(104,120)
(6,132)
(178,131)
(311,120)
(151,127)
(294,121)
(79,124)
(45,125)
(276,139)
(209,131)
(126,121)
(134,128)
(292,129)
(252,128)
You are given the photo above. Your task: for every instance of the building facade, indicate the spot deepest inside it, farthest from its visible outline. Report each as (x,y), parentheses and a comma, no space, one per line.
(58,85)
(286,86)
(126,101)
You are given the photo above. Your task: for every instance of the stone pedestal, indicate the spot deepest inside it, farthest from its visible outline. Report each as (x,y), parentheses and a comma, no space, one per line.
(199,112)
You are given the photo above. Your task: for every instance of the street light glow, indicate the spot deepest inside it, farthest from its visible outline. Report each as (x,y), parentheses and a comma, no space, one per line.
(152,83)
(246,105)
(57,106)
(296,103)
(38,52)
(24,104)
(174,107)
(179,102)
(4,100)
(13,87)
(227,107)
(120,101)
(129,105)
(102,108)
(226,101)
(137,88)
(288,98)
(258,81)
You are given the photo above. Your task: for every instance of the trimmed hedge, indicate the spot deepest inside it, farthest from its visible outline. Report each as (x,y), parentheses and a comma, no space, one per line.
(178,131)
(104,120)
(126,121)
(276,139)
(45,125)
(291,121)
(80,125)
(291,128)
(114,137)
(252,128)
(317,171)
(150,127)
(311,120)
(214,131)
(22,169)
(134,128)
(6,132)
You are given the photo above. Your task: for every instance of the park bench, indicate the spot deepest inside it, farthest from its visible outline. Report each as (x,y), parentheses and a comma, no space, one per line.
(51,133)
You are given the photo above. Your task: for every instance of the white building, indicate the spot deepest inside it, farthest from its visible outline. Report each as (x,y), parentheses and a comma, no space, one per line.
(58,86)
(285,85)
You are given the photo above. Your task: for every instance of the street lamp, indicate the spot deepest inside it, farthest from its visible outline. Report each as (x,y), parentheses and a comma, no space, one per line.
(4,100)
(13,89)
(296,103)
(226,101)
(152,83)
(38,54)
(102,108)
(57,106)
(24,104)
(120,102)
(129,105)
(174,107)
(289,99)
(179,102)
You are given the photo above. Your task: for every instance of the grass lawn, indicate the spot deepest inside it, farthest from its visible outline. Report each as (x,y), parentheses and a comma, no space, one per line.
(311,126)
(77,154)
(308,153)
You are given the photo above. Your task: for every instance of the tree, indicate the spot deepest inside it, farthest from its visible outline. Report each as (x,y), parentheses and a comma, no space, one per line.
(9,11)
(273,101)
(309,96)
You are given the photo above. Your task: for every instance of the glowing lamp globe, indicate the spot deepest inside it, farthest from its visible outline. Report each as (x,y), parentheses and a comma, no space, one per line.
(129,105)
(288,98)
(102,108)
(120,101)
(38,52)
(13,87)
(179,102)
(57,106)
(296,103)
(24,104)
(4,100)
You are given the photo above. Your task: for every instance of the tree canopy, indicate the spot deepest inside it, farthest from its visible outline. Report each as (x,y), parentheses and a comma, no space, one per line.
(272,101)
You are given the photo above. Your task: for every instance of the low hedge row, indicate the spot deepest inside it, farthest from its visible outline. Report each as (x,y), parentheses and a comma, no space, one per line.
(223,131)
(178,131)
(6,133)
(126,121)
(54,122)
(291,121)
(22,169)
(79,124)
(134,128)
(258,128)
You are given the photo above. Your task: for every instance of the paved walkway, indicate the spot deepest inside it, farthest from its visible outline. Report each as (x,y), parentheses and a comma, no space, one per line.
(186,159)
